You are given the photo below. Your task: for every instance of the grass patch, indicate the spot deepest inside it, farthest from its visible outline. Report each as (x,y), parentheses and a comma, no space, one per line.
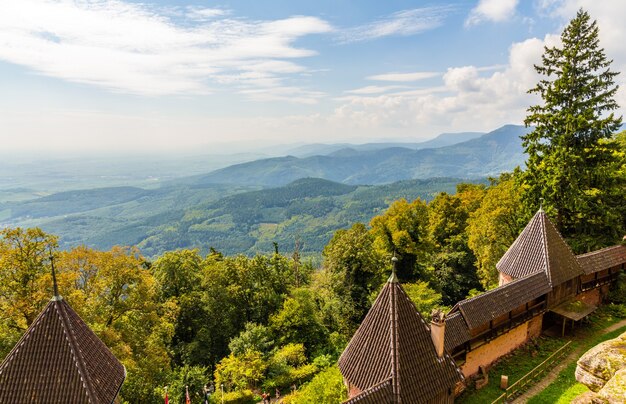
(571,393)
(565,387)
(514,365)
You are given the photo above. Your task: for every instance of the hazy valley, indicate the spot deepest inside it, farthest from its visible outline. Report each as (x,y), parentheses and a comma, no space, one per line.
(244,208)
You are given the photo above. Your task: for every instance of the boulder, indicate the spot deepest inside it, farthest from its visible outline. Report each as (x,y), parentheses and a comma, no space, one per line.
(588,398)
(614,391)
(598,365)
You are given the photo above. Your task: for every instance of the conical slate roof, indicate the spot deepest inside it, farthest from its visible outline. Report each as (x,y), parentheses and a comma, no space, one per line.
(391,357)
(60,360)
(540,247)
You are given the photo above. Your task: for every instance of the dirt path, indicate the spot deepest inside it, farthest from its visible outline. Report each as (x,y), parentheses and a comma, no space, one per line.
(545,382)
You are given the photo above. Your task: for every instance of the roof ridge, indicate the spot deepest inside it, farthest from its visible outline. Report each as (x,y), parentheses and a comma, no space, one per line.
(393,307)
(570,252)
(497,288)
(544,234)
(75,350)
(600,251)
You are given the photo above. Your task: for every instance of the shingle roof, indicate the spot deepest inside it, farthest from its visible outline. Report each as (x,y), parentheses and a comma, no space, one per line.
(60,360)
(540,247)
(600,260)
(457,332)
(394,343)
(485,307)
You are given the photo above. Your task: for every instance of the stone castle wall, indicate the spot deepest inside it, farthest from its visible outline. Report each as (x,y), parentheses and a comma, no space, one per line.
(486,354)
(592,297)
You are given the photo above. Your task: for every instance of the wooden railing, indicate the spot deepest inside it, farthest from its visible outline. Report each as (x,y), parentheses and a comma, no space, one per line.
(520,385)
(506,326)
(499,329)
(594,283)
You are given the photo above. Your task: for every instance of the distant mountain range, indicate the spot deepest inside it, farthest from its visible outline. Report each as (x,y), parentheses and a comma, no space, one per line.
(487,154)
(245,208)
(320,149)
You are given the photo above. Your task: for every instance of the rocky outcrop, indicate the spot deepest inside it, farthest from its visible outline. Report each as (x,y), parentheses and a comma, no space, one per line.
(598,365)
(614,391)
(588,398)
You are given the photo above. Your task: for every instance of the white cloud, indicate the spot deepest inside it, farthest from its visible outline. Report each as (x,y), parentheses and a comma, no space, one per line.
(401,23)
(373,89)
(492,10)
(283,93)
(400,77)
(132,48)
(470,98)
(462,78)
(204,14)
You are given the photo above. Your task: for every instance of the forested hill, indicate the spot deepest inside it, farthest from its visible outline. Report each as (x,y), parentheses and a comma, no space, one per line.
(489,154)
(310,210)
(229,219)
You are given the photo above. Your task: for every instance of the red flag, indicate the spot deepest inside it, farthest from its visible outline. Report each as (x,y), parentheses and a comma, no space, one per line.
(187,399)
(167,400)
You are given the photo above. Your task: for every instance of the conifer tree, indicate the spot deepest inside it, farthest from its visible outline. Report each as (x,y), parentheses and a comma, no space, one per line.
(569,157)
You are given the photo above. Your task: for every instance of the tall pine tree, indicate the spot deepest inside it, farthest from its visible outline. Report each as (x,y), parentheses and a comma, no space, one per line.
(570,152)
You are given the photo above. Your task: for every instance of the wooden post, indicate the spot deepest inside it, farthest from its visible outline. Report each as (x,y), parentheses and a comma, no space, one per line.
(563,329)
(504,382)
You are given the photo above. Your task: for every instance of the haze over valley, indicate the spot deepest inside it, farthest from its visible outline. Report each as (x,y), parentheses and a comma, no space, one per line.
(160,204)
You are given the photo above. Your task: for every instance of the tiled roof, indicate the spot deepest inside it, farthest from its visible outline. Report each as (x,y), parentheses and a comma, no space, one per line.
(394,343)
(540,247)
(457,332)
(60,360)
(485,307)
(600,260)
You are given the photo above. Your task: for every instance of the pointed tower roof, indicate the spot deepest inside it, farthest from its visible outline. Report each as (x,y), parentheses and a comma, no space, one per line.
(391,357)
(540,247)
(60,360)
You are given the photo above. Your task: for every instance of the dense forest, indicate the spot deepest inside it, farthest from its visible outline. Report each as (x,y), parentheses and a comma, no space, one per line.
(253,323)
(243,324)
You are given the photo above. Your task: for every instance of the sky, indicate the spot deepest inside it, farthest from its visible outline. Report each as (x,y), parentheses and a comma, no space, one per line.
(93,76)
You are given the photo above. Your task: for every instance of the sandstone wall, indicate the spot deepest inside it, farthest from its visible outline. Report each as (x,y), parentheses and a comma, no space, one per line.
(489,353)
(503,279)
(534,327)
(592,297)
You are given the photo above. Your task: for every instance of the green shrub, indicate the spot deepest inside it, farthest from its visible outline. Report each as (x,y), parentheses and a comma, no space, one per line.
(325,388)
(618,290)
(236,397)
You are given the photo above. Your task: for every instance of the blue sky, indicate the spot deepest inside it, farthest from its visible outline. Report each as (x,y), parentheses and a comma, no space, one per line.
(162,75)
